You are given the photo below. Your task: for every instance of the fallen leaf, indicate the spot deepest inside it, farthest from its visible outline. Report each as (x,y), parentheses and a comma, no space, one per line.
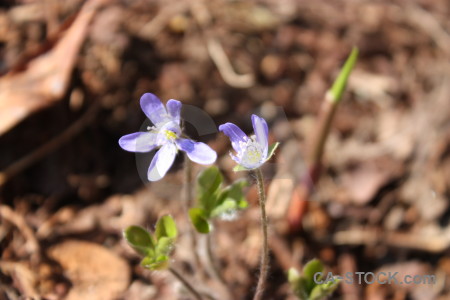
(46,78)
(94,271)
(363,181)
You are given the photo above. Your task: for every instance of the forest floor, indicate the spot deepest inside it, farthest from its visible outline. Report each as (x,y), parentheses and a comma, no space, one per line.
(73,73)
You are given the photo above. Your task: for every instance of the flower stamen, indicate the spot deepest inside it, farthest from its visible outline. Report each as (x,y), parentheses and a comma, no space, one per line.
(170,135)
(252,154)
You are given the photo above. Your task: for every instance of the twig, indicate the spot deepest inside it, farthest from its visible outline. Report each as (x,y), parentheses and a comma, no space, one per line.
(223,64)
(153,28)
(32,244)
(428,23)
(215,49)
(186,284)
(24,278)
(30,159)
(264,268)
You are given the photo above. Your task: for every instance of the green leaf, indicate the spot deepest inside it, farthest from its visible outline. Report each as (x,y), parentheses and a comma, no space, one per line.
(304,286)
(208,183)
(233,191)
(164,246)
(242,204)
(293,275)
(339,84)
(227,208)
(298,284)
(309,270)
(166,227)
(199,220)
(230,200)
(271,150)
(139,239)
(152,263)
(321,291)
(240,168)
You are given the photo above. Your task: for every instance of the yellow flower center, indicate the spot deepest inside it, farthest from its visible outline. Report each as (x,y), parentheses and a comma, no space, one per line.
(252,155)
(170,135)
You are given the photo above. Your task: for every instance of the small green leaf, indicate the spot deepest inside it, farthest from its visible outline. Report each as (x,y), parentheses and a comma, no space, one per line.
(154,264)
(304,286)
(227,208)
(166,227)
(233,191)
(321,291)
(298,284)
(139,239)
(199,220)
(293,275)
(164,246)
(230,200)
(312,267)
(243,204)
(339,84)
(309,270)
(272,149)
(240,168)
(208,183)
(147,261)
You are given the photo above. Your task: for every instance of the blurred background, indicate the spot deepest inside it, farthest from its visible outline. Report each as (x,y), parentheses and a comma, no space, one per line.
(72,75)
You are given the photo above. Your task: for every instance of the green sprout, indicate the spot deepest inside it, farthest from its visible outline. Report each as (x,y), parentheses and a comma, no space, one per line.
(311,285)
(336,91)
(156,248)
(215,201)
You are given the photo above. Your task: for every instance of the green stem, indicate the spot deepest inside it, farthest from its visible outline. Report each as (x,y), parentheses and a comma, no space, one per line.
(265,248)
(186,284)
(187,181)
(188,203)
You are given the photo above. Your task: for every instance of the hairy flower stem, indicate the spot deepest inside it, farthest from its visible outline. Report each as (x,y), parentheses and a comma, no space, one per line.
(186,284)
(188,202)
(264,267)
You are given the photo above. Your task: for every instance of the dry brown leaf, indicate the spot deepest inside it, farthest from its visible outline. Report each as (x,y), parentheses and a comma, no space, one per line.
(23,277)
(46,78)
(96,272)
(363,182)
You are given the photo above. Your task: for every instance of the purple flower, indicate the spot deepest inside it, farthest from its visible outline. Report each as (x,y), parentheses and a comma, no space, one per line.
(253,151)
(165,134)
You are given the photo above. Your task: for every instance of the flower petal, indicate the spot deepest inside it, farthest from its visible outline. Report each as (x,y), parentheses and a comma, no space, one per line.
(197,152)
(261,132)
(138,142)
(174,108)
(153,108)
(236,135)
(161,162)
